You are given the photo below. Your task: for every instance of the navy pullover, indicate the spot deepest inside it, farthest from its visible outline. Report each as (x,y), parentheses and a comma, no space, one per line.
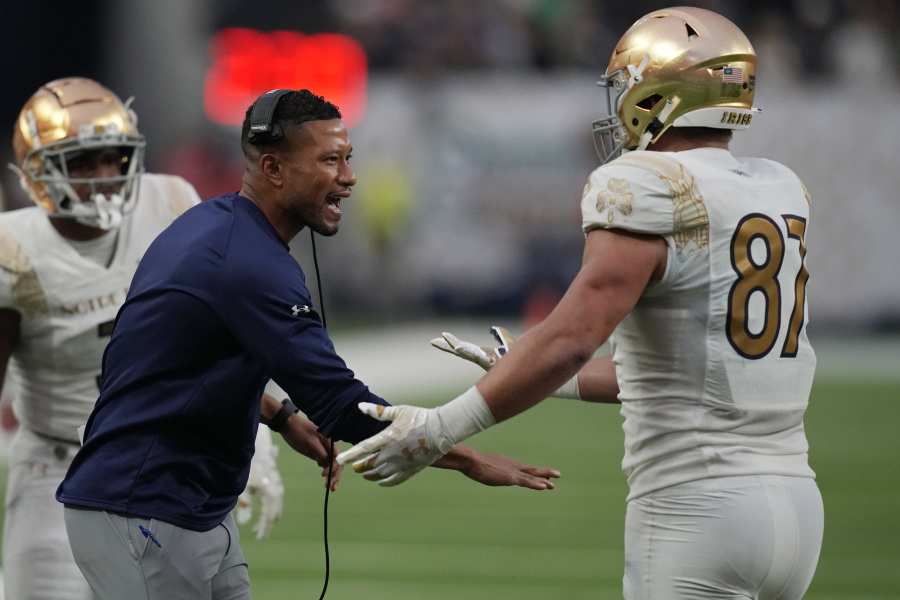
(217,307)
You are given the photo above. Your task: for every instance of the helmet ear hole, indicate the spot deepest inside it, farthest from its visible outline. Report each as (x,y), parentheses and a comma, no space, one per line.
(649,102)
(691,32)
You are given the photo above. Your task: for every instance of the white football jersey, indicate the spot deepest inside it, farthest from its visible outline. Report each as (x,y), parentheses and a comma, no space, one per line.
(68,303)
(713,364)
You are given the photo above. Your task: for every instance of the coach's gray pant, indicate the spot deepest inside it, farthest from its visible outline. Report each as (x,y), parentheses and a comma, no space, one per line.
(133,558)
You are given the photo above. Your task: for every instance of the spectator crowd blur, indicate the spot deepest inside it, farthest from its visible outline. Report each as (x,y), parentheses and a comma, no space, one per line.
(555,34)
(475,135)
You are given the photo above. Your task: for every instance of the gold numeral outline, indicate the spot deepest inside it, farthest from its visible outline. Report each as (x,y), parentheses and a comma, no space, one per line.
(796,228)
(753,277)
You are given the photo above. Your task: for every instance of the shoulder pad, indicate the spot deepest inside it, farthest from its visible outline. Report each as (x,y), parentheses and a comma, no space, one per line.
(173,192)
(646,192)
(25,288)
(183,197)
(775,169)
(12,256)
(807,197)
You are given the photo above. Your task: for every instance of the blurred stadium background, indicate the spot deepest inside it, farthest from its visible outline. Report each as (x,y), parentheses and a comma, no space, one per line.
(471,127)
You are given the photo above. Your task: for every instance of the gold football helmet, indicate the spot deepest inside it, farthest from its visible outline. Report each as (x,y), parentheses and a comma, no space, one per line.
(675,67)
(71,118)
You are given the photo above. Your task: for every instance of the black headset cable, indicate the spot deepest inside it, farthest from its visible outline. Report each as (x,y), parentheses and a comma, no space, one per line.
(312,237)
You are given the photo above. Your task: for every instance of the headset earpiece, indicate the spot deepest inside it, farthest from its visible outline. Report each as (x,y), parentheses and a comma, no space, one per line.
(262,128)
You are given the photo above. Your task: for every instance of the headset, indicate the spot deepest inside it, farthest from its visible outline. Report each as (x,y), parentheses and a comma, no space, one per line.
(263,130)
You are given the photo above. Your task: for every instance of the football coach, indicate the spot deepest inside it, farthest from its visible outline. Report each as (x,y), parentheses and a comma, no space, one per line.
(218,307)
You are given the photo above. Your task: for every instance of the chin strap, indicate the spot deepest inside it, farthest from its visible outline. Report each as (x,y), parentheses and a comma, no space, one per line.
(635,76)
(659,122)
(109,210)
(105,211)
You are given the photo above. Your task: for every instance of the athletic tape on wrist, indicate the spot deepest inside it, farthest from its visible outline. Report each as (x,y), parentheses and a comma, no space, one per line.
(463,417)
(568,390)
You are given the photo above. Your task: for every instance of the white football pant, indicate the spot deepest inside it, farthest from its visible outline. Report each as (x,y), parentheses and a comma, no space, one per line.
(736,538)
(37,559)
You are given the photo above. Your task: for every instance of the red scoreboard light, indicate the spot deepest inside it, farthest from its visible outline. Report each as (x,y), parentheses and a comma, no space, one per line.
(246,63)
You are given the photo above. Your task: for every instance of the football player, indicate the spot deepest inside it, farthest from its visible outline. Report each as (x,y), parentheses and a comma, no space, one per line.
(694,262)
(65,267)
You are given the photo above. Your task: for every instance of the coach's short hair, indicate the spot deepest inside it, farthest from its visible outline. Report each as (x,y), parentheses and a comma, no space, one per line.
(294,108)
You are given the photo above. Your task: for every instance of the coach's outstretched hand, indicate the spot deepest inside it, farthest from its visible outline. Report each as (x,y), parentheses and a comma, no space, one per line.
(497,470)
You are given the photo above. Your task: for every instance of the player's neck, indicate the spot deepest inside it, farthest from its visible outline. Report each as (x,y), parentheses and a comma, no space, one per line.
(690,138)
(73,230)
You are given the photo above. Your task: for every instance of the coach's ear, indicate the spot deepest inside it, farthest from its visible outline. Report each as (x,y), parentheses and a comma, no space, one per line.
(272,168)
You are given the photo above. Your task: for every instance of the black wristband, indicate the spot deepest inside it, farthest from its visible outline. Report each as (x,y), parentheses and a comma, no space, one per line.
(277,422)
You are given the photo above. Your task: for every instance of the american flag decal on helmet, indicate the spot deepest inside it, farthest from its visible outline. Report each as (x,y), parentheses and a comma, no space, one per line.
(733,75)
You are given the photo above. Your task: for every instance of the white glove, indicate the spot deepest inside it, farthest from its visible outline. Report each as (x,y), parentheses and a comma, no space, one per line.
(264,483)
(416,437)
(487,356)
(483,356)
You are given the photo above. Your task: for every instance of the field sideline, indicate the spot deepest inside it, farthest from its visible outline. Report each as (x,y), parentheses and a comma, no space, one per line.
(440,536)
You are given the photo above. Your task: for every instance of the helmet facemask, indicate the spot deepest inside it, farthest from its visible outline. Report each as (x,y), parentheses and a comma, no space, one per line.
(609,133)
(48,167)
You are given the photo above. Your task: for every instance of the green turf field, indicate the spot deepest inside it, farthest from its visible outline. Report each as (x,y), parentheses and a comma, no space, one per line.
(440,536)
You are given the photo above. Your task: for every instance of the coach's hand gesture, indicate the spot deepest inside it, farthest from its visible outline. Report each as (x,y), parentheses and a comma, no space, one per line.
(497,470)
(302,435)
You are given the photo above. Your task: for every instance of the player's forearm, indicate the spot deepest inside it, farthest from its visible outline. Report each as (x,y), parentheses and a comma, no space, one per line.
(569,389)
(597,381)
(533,370)
(605,290)
(550,355)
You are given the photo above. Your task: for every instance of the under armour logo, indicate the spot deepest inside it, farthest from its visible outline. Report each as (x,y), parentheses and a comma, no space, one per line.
(297,309)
